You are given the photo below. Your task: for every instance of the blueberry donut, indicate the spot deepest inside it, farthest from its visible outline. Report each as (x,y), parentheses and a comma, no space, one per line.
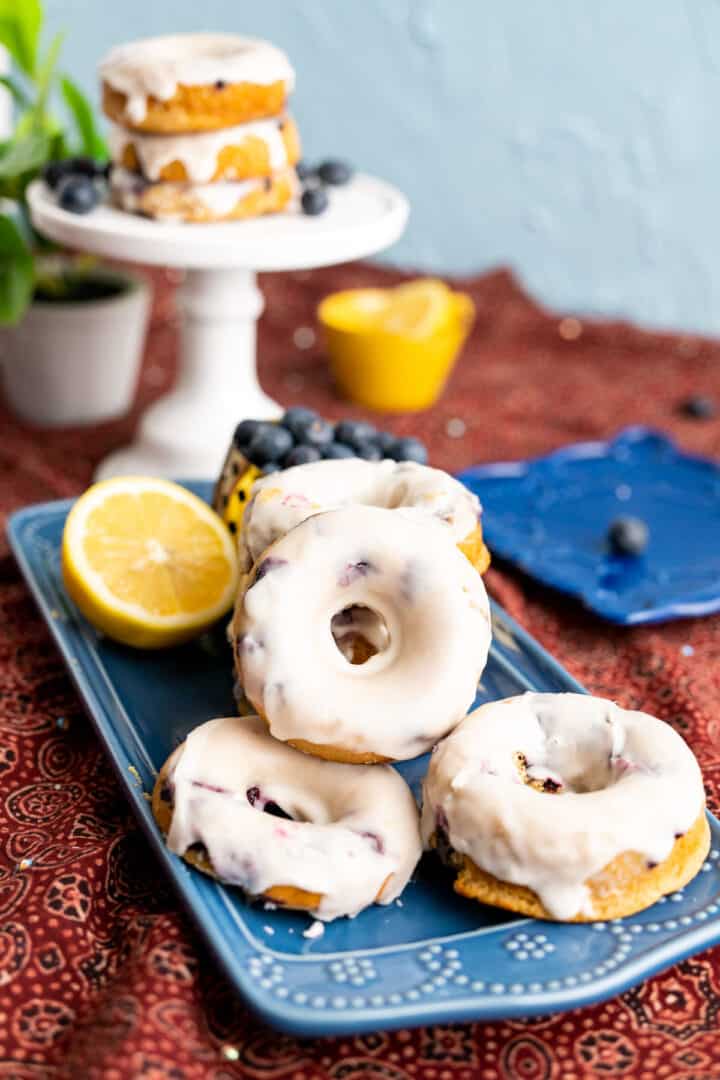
(322,837)
(232,200)
(566,807)
(244,152)
(194,82)
(283,499)
(400,584)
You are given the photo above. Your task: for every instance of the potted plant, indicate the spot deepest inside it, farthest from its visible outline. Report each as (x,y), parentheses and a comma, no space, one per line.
(71,329)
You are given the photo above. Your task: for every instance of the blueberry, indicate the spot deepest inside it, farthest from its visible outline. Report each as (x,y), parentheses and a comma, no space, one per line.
(699,407)
(244,432)
(319,433)
(83,166)
(338,450)
(302,455)
(628,535)
(384,440)
(314,201)
(408,449)
(304,171)
(53,173)
(354,432)
(298,414)
(335,172)
(271,467)
(77,194)
(308,427)
(370,451)
(269,444)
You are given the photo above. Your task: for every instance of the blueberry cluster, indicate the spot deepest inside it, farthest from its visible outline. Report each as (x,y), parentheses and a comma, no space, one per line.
(77,182)
(302,436)
(316,178)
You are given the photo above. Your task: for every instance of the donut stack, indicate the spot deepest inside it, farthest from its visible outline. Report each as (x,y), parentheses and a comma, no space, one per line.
(200,128)
(359,578)
(359,636)
(358,574)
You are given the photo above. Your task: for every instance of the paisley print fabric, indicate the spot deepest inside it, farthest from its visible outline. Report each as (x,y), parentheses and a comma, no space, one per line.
(100,974)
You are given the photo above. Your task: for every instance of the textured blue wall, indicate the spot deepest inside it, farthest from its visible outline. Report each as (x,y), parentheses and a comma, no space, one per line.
(578,142)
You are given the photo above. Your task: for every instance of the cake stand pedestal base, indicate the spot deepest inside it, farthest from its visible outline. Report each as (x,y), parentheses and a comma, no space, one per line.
(187,432)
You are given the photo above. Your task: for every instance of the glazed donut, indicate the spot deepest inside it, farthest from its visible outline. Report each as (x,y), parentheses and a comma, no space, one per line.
(283,499)
(404,573)
(239,153)
(566,807)
(230,200)
(194,82)
(352,838)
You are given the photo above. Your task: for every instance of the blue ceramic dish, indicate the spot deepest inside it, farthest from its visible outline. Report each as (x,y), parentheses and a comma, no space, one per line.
(431,957)
(550,517)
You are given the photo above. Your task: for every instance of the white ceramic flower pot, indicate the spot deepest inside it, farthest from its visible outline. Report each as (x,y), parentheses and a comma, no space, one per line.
(77,362)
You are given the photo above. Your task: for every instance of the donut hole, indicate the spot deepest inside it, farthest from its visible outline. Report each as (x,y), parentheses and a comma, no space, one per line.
(595,775)
(359,632)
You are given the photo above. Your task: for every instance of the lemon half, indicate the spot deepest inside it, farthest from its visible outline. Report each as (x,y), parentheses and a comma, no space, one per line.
(147,562)
(415,310)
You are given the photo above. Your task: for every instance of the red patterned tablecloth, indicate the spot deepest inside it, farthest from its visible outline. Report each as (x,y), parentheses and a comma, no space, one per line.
(100,974)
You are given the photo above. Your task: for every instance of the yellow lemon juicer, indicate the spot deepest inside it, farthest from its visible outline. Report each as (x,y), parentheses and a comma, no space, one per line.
(393,349)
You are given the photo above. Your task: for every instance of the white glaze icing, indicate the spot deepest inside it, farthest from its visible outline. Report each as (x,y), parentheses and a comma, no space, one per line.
(628,783)
(315,930)
(154,67)
(219,199)
(406,569)
(284,499)
(355,829)
(197,151)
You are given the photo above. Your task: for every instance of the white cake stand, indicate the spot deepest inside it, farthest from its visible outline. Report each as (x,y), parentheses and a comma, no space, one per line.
(187,432)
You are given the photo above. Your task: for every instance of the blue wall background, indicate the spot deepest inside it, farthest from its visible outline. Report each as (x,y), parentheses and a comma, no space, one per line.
(579,143)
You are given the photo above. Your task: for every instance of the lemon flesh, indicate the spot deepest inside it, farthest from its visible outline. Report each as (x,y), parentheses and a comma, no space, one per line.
(416,310)
(147,562)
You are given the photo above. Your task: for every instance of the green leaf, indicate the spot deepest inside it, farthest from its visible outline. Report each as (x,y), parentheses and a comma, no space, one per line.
(25,155)
(59,148)
(92,142)
(16,92)
(45,76)
(11,37)
(20,23)
(16,272)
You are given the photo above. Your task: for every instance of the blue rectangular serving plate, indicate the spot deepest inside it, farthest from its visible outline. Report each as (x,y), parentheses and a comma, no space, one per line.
(429,958)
